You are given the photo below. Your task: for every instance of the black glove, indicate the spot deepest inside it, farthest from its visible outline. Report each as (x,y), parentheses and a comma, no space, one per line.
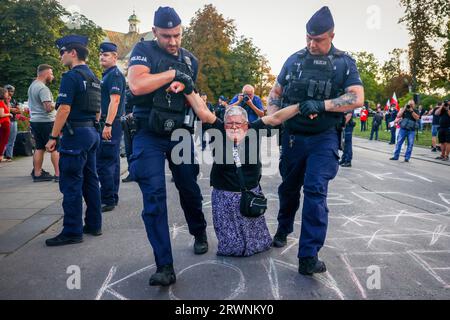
(186,80)
(310,107)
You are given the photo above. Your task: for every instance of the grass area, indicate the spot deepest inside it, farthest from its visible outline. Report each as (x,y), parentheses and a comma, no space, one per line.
(422,139)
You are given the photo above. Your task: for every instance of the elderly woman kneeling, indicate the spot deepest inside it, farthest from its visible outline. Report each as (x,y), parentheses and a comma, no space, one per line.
(240,143)
(237,235)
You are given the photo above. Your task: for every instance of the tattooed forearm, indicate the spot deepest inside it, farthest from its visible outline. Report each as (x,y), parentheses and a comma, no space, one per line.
(274,99)
(347,99)
(352,99)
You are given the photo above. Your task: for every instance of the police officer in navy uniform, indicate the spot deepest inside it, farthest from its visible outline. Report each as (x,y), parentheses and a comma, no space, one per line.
(325,83)
(155,66)
(347,153)
(113,106)
(78,106)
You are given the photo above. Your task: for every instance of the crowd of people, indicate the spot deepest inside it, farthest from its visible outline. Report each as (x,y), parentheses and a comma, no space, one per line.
(404,124)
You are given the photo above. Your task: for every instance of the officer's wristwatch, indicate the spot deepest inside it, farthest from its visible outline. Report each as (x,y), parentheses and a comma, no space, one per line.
(108,125)
(53,137)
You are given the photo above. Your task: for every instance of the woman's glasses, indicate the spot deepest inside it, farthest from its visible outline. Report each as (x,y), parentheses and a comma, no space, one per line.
(230,125)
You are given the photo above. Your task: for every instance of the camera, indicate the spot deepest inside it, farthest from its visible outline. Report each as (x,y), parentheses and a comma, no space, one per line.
(246,98)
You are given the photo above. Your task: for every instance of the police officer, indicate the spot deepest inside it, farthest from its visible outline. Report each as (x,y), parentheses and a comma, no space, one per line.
(155,66)
(347,154)
(113,105)
(78,106)
(325,82)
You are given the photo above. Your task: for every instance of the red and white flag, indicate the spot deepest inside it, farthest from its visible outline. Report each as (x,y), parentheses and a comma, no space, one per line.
(388,105)
(395,101)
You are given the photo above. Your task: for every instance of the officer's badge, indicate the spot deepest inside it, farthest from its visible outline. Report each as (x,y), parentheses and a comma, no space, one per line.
(170,24)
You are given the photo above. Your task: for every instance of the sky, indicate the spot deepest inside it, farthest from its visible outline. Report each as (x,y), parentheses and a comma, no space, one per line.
(276,27)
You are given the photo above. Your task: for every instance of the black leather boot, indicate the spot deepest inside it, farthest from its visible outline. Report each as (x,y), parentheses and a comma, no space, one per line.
(164,276)
(309,266)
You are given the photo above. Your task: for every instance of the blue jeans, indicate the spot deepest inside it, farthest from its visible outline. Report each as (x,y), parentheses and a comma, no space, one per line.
(12,139)
(402,136)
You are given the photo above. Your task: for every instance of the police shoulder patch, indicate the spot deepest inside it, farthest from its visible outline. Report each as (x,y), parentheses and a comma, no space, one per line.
(302,53)
(348,55)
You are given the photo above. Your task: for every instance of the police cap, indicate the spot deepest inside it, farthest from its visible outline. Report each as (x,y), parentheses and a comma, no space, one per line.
(64,43)
(108,47)
(166,18)
(321,22)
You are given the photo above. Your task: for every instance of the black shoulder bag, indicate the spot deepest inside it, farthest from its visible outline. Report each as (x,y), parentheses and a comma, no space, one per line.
(252,205)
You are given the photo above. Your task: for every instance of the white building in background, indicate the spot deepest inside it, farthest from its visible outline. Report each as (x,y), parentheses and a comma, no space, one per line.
(126,41)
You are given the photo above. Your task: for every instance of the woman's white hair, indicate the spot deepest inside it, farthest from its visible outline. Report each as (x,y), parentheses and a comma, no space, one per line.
(236,111)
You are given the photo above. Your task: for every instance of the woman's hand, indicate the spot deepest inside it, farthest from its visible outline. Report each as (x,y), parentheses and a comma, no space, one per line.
(176,87)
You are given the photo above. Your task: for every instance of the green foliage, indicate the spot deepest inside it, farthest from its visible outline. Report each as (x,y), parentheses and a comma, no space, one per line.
(422,139)
(28,31)
(428,24)
(425,100)
(81,25)
(380,82)
(226,63)
(369,70)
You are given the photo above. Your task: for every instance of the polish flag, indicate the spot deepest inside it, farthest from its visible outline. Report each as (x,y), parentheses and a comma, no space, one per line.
(395,101)
(388,105)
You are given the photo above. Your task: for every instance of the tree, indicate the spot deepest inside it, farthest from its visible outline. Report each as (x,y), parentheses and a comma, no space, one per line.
(426,21)
(441,77)
(393,67)
(81,25)
(264,80)
(28,33)
(369,70)
(227,63)
(27,36)
(209,36)
(395,77)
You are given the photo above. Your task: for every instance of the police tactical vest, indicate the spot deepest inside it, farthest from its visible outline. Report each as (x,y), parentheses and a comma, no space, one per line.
(168,109)
(90,99)
(311,78)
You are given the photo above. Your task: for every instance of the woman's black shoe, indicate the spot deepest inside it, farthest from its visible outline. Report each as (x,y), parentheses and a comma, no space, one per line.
(279,240)
(201,244)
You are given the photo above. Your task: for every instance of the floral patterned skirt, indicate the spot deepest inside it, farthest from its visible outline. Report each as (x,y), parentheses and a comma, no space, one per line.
(237,235)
